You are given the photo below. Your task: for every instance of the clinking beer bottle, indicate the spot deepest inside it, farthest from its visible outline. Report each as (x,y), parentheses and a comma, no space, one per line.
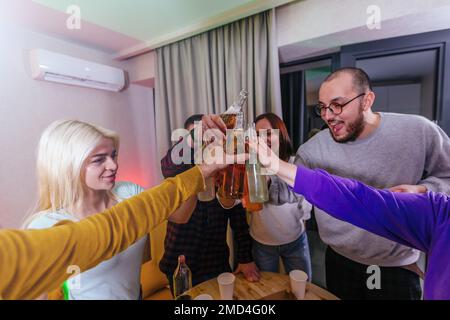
(257,183)
(229,117)
(249,206)
(233,119)
(182,280)
(232,186)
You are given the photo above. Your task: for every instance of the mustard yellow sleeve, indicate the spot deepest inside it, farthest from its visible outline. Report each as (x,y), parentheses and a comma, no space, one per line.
(36,261)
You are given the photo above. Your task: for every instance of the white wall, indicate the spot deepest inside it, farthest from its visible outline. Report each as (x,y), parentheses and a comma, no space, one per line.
(142,66)
(27,106)
(313,27)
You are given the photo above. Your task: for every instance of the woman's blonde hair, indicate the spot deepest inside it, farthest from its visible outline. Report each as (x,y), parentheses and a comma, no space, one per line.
(63,149)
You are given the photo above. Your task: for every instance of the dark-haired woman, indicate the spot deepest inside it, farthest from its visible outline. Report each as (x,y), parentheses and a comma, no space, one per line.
(279,231)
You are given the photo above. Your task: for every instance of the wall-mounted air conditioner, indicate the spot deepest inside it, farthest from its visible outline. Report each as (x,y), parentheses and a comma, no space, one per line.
(56,67)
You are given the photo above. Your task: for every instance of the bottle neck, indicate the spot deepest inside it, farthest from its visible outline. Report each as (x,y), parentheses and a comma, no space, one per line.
(239,120)
(243,96)
(181,260)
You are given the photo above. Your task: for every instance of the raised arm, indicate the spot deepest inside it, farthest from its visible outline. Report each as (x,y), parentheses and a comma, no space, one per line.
(37,261)
(280,192)
(406,218)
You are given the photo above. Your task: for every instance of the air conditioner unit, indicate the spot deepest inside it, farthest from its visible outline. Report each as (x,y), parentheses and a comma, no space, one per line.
(56,67)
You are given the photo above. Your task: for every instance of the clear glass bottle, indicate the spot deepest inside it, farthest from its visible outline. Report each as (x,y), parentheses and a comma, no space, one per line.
(182,279)
(232,186)
(230,116)
(246,203)
(257,183)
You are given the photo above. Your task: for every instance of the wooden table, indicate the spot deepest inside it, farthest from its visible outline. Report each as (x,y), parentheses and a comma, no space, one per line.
(271,286)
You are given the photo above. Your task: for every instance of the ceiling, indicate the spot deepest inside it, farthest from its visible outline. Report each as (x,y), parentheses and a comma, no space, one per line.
(336,23)
(145,19)
(128,28)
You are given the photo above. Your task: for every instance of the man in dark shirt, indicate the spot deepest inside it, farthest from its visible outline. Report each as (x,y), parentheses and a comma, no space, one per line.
(203,240)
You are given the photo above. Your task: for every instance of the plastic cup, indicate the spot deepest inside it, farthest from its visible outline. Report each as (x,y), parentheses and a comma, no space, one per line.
(226,285)
(204,296)
(298,283)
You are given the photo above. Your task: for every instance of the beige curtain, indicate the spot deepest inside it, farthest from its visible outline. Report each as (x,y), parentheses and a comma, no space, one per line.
(205,73)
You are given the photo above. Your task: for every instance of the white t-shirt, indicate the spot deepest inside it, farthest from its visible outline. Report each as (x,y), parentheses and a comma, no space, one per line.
(115,279)
(278,225)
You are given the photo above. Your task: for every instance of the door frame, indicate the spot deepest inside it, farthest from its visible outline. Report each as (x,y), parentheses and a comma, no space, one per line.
(436,40)
(300,66)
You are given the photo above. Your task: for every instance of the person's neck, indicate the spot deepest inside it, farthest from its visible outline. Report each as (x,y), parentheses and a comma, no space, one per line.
(92,203)
(371,123)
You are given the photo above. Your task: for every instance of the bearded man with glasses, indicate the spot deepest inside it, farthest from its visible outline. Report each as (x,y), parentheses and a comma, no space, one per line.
(405,153)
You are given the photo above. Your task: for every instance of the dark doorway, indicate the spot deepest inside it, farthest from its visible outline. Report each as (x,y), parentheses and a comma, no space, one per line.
(300,92)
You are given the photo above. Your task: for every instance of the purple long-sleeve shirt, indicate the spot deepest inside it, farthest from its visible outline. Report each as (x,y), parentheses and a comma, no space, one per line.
(421,221)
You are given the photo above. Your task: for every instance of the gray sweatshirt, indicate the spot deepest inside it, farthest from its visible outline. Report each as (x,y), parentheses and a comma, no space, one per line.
(404,149)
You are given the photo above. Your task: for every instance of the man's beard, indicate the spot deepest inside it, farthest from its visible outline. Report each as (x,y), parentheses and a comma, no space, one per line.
(355,129)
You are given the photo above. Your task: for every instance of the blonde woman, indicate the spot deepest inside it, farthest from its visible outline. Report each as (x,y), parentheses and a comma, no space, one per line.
(30,266)
(77,167)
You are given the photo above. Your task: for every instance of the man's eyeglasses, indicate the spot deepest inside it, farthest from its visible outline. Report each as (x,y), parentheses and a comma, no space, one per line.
(334,107)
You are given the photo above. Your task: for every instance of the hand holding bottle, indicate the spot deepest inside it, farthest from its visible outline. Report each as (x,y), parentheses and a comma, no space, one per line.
(266,156)
(268,159)
(213,121)
(218,159)
(256,181)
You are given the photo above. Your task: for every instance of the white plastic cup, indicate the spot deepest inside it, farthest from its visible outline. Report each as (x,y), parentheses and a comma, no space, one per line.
(298,283)
(204,296)
(226,285)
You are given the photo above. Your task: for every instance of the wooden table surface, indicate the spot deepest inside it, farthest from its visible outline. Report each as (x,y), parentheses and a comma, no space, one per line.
(271,286)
